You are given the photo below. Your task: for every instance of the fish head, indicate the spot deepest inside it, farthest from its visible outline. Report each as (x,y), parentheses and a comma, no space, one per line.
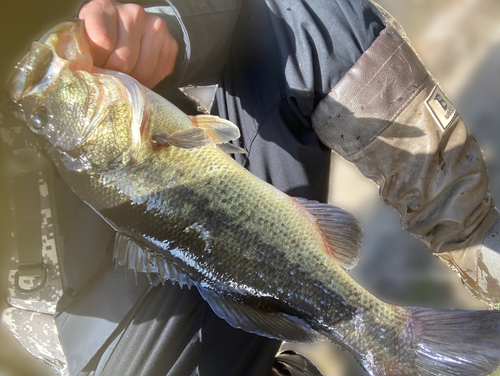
(91,119)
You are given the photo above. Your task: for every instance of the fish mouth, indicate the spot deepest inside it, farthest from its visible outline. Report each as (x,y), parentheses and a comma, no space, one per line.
(72,43)
(15,84)
(65,43)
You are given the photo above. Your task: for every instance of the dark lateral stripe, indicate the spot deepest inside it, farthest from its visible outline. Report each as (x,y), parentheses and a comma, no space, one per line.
(267,258)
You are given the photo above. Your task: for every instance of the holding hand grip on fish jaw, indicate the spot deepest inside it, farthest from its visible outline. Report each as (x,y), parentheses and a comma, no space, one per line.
(123,37)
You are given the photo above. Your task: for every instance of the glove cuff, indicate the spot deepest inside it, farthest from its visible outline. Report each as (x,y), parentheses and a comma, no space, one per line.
(390,118)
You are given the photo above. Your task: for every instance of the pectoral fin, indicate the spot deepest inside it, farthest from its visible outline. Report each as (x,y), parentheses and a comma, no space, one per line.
(232,149)
(219,130)
(186,139)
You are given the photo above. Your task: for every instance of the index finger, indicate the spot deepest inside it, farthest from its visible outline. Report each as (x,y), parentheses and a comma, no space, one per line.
(101,24)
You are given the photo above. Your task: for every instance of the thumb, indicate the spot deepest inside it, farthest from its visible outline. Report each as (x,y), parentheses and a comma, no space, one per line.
(101,24)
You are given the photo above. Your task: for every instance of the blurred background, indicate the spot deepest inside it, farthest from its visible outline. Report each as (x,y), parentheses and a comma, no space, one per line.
(459,41)
(21,22)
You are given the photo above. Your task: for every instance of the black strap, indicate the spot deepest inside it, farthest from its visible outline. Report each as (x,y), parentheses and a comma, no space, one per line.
(290,363)
(24,167)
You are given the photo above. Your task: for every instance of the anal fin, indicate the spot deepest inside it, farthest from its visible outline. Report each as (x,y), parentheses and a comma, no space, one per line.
(340,229)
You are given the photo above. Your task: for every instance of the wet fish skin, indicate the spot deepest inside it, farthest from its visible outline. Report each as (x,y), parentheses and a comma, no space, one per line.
(265,262)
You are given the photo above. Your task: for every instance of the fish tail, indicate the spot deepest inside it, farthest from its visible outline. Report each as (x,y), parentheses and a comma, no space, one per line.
(416,341)
(453,342)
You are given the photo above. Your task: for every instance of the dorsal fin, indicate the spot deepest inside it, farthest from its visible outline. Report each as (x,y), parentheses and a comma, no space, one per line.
(219,130)
(130,255)
(277,325)
(341,231)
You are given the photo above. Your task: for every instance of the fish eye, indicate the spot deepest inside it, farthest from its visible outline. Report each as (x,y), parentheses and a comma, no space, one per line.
(39,118)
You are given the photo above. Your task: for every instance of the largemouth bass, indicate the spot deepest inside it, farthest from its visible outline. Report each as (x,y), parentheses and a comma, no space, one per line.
(265,262)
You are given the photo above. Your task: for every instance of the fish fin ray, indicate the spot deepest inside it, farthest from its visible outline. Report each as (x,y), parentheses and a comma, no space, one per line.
(219,130)
(132,256)
(340,229)
(456,342)
(275,325)
(231,149)
(185,139)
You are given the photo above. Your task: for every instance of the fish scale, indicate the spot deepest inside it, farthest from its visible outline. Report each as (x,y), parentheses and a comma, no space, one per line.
(265,262)
(295,240)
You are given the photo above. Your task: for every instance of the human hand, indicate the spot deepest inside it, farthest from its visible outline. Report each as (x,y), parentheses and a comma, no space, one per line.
(123,37)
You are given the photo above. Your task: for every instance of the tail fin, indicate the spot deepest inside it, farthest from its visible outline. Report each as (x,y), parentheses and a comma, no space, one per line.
(455,343)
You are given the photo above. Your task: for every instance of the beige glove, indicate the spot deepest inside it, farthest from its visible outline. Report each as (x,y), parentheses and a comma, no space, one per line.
(389,117)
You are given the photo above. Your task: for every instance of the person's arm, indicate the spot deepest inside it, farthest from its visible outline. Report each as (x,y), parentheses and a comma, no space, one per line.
(125,38)
(390,118)
(186,41)
(208,28)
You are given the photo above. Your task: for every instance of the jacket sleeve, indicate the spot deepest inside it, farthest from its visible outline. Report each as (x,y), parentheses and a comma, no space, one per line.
(203,31)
